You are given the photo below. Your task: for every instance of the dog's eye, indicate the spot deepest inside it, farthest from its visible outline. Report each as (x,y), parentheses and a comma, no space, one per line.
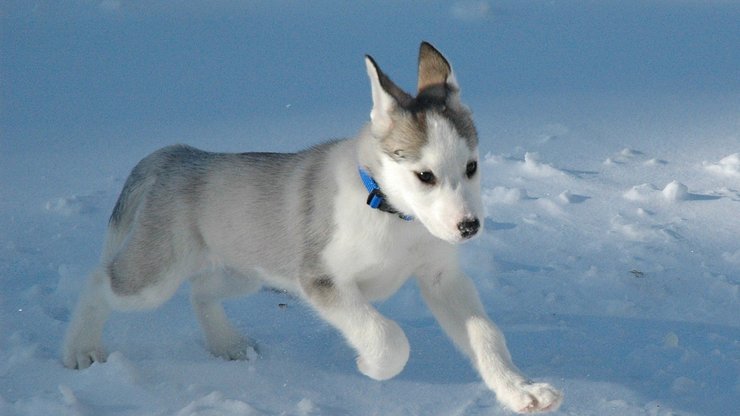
(471,169)
(426,177)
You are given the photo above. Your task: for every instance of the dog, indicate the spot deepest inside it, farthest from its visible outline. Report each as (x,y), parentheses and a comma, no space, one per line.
(340,225)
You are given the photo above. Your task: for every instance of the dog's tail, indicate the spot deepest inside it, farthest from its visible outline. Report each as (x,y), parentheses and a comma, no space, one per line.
(133,192)
(168,167)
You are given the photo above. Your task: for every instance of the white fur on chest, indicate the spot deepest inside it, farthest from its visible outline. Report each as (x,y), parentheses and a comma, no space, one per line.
(378,260)
(376,250)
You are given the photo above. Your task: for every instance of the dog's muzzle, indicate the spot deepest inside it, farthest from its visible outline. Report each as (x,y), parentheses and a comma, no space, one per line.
(468,227)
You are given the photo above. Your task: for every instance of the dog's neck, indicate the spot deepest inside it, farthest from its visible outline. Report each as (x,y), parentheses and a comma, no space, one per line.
(376,199)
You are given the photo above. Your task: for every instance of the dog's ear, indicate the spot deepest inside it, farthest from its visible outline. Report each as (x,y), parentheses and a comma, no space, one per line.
(387,98)
(435,70)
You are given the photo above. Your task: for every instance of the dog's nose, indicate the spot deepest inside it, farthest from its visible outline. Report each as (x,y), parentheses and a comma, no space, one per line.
(468,227)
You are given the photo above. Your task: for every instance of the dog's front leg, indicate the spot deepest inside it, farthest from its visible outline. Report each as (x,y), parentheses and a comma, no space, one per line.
(455,303)
(382,347)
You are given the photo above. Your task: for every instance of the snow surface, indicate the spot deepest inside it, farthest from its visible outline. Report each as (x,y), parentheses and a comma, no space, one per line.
(611,140)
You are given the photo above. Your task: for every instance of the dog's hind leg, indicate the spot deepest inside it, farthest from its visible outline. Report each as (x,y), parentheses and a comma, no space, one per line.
(138,275)
(208,289)
(82,342)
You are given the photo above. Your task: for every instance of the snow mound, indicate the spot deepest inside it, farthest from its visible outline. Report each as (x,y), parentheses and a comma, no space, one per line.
(116,367)
(629,153)
(567,197)
(215,404)
(625,155)
(641,193)
(306,407)
(504,195)
(553,132)
(655,162)
(534,167)
(634,231)
(530,167)
(676,191)
(74,205)
(727,166)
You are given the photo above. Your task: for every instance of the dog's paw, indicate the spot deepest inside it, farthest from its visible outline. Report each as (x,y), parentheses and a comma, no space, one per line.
(236,348)
(386,355)
(79,359)
(531,397)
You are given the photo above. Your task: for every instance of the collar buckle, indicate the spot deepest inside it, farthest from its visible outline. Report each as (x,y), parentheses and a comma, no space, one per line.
(376,198)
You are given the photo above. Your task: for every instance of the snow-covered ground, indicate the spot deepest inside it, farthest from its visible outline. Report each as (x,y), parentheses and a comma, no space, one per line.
(611,256)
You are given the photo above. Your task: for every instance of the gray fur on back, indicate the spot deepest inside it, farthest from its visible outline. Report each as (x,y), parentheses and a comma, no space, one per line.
(265,212)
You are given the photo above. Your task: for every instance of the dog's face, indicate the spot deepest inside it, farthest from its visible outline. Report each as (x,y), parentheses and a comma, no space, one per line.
(429,154)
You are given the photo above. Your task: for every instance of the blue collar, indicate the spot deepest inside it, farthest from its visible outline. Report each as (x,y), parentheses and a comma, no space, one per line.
(376,198)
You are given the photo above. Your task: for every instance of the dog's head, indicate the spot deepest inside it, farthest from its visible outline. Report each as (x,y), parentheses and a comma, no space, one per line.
(428,148)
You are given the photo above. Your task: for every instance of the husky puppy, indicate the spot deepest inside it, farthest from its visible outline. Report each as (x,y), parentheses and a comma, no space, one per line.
(340,225)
